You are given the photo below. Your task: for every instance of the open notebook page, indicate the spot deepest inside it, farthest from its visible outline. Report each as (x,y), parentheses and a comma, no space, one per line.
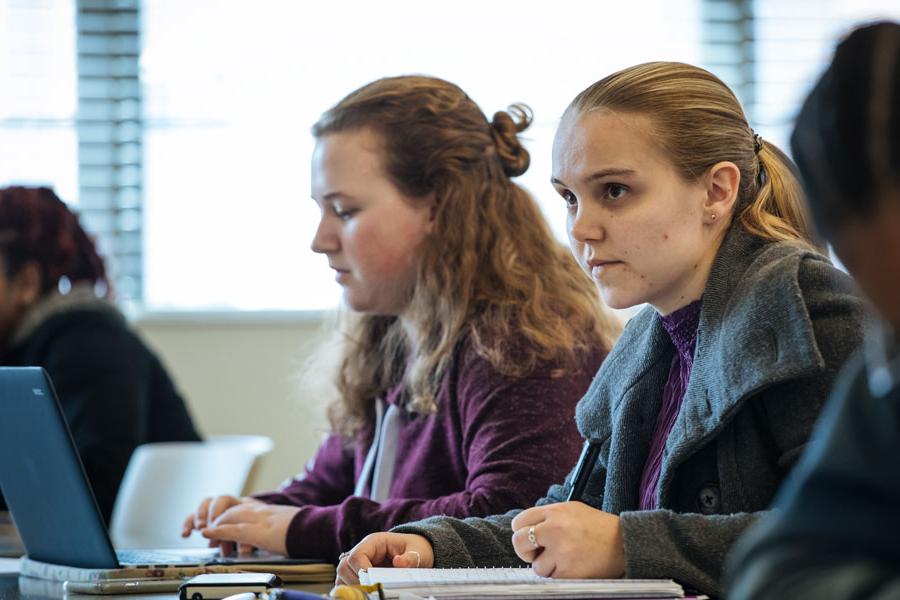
(512,583)
(409,577)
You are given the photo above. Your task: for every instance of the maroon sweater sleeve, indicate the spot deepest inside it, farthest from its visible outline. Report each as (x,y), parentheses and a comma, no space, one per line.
(517,437)
(327,479)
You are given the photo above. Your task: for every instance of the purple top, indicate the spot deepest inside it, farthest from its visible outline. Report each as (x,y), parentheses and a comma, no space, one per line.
(495,443)
(682,328)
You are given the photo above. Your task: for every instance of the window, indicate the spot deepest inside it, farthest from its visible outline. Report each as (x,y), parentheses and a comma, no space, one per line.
(204,204)
(110,133)
(231,90)
(38,144)
(794,43)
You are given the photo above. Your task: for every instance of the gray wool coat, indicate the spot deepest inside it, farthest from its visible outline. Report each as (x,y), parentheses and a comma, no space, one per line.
(776,323)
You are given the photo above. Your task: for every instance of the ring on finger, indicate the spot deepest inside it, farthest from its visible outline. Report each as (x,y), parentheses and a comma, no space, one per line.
(532,538)
(345,556)
(418,558)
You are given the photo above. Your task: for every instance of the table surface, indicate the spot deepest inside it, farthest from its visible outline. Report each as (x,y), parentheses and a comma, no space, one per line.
(37,589)
(9,589)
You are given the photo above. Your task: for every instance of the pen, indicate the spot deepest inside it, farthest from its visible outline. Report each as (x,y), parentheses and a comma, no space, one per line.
(583,469)
(122,586)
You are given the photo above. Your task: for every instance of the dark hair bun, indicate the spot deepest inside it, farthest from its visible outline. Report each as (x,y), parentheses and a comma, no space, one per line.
(505,128)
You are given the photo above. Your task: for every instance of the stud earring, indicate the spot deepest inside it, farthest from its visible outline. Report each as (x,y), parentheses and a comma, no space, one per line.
(713,216)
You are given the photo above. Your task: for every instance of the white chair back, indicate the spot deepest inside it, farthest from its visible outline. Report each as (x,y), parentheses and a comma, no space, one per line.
(166,481)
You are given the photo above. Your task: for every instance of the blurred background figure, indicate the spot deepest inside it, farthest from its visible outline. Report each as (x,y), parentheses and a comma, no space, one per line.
(836,535)
(56,313)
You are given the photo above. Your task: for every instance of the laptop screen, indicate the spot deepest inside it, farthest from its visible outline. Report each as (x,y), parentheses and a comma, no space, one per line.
(42,478)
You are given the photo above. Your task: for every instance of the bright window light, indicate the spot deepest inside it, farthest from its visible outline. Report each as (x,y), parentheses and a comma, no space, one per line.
(232,88)
(38,145)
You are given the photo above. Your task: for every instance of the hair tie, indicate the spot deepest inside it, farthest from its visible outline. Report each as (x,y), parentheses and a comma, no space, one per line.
(757,142)
(505,128)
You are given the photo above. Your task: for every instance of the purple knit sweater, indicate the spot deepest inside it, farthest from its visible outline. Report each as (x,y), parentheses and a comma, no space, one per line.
(496,443)
(681,326)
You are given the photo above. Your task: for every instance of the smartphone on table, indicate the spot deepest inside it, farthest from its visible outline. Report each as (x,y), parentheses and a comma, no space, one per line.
(215,586)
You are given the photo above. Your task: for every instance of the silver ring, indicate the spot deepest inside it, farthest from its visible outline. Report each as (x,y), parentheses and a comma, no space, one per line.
(418,558)
(346,556)
(531,537)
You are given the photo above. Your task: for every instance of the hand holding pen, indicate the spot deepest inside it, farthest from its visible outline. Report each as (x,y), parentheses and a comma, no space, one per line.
(571,539)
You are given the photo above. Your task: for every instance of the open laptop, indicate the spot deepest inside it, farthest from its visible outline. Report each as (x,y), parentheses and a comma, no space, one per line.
(48,493)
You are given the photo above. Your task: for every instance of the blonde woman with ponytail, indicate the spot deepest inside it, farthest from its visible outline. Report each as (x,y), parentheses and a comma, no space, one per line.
(709,395)
(473,332)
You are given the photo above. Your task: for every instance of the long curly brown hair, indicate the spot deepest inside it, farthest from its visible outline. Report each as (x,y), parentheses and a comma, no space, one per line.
(491,273)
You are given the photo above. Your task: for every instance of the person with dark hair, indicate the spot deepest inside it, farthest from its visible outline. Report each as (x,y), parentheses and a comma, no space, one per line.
(473,333)
(710,394)
(55,313)
(836,533)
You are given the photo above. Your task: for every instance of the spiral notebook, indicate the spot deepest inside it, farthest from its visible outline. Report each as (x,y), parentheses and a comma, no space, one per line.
(462,584)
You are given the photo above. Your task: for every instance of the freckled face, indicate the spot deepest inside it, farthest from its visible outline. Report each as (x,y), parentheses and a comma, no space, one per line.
(369,231)
(634,224)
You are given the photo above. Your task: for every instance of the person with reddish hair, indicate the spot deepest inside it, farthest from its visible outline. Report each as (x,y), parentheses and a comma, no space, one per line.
(56,313)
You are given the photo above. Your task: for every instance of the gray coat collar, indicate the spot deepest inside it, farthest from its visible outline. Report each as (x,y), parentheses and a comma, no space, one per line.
(754,332)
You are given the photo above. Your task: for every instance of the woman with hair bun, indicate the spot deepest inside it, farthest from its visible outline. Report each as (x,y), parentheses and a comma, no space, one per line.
(473,335)
(55,313)
(709,395)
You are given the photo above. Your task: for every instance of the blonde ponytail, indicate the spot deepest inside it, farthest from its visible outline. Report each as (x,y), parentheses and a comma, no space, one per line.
(779,211)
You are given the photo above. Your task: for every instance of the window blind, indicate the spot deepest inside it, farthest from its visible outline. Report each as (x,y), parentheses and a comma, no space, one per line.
(728,47)
(768,51)
(109,126)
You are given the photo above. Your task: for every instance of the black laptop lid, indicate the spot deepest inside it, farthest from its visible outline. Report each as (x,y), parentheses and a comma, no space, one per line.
(42,477)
